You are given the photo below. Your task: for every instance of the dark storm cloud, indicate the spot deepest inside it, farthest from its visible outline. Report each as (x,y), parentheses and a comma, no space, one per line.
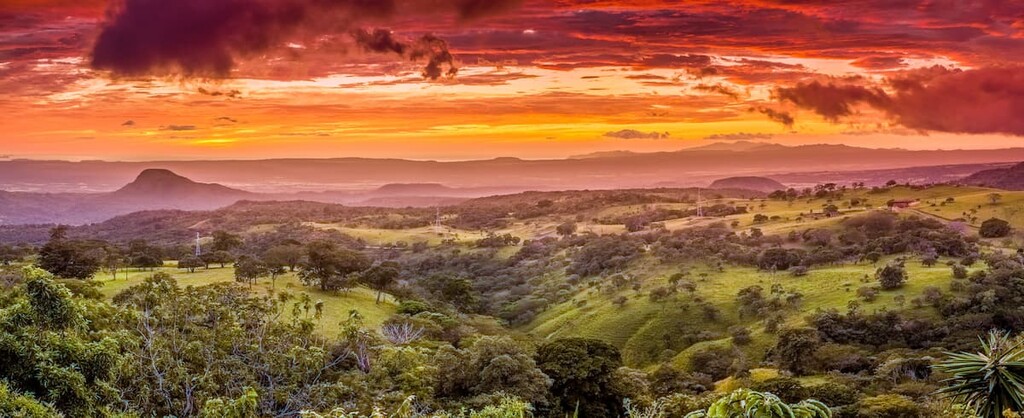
(984,100)
(203,38)
(431,48)
(832,101)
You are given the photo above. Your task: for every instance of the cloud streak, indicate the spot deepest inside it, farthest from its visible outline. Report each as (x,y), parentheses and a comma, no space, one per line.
(635,134)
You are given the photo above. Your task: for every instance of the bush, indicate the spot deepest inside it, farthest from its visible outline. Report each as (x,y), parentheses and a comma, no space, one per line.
(959,271)
(994,228)
(931,295)
(774,259)
(786,388)
(413,307)
(833,394)
(798,271)
(794,348)
(713,361)
(841,358)
(889,406)
(868,293)
(892,276)
(740,335)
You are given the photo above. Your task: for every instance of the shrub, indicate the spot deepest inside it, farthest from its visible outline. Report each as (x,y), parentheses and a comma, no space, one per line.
(786,388)
(889,406)
(959,271)
(740,335)
(868,293)
(833,394)
(619,301)
(892,276)
(994,228)
(795,347)
(413,307)
(931,295)
(713,361)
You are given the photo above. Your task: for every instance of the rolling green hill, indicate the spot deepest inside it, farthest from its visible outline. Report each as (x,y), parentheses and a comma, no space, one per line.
(647,331)
(336,305)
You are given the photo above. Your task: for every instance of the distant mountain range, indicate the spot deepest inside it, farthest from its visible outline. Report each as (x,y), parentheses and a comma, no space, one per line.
(152,189)
(157,189)
(340,176)
(401,183)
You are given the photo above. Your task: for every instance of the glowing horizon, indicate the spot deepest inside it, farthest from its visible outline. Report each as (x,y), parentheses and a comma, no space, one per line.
(535,79)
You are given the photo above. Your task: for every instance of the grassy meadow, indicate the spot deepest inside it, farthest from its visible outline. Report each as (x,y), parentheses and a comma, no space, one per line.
(336,305)
(639,327)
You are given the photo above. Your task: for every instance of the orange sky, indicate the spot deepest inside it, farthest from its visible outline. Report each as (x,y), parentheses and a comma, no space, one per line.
(535,79)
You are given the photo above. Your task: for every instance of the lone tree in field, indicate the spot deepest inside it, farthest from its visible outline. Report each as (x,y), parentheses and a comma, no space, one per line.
(249,269)
(190,263)
(566,229)
(994,198)
(381,277)
(892,276)
(286,255)
(994,228)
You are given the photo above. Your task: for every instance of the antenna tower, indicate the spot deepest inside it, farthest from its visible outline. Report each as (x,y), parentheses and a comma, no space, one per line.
(700,210)
(437,222)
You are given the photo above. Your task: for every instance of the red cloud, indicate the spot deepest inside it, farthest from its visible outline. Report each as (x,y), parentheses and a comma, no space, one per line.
(985,100)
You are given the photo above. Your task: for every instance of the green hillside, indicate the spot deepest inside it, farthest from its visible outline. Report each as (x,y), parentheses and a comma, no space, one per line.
(643,328)
(336,305)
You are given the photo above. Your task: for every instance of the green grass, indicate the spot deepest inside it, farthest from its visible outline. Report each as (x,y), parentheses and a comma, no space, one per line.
(336,305)
(639,327)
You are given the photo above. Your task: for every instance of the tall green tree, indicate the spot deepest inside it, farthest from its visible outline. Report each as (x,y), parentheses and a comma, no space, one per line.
(329,267)
(58,349)
(795,346)
(225,241)
(219,349)
(582,373)
(250,269)
(285,255)
(66,258)
(381,277)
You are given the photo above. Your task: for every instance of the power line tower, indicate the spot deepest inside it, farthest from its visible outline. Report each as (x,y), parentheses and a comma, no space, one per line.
(199,249)
(700,209)
(437,222)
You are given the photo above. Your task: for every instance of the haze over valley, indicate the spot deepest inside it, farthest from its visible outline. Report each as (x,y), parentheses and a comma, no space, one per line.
(511,209)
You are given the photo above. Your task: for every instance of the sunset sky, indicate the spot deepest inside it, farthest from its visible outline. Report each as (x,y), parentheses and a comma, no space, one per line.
(462,79)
